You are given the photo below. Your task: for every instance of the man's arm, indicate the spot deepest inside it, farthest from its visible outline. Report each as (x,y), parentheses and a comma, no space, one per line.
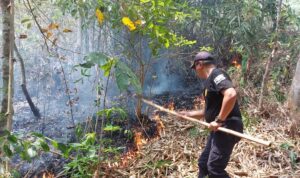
(198,114)
(228,103)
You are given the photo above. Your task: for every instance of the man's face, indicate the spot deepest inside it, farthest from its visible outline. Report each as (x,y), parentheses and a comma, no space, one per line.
(199,69)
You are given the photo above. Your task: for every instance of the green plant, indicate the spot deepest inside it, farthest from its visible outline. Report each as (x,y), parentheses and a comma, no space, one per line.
(194,132)
(111,128)
(292,153)
(158,164)
(248,121)
(129,134)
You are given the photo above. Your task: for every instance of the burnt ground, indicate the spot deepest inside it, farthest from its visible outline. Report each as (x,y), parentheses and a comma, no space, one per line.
(146,128)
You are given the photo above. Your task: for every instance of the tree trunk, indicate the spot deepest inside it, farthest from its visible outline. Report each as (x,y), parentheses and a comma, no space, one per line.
(140,96)
(33,108)
(267,69)
(7,9)
(5,52)
(294,101)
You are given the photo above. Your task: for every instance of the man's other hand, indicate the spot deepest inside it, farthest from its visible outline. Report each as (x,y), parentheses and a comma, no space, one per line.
(185,113)
(214,126)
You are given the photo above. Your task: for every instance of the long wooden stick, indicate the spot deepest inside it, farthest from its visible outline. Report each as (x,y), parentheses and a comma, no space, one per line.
(229,131)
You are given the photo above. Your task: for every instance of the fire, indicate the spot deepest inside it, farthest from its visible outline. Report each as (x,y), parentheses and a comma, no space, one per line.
(236,64)
(236,60)
(47,175)
(125,159)
(171,106)
(139,140)
(160,124)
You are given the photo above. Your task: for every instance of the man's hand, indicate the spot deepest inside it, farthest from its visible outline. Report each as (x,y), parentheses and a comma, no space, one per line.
(185,113)
(214,126)
(198,114)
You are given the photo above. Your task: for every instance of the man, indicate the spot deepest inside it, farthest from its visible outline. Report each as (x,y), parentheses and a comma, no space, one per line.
(221,109)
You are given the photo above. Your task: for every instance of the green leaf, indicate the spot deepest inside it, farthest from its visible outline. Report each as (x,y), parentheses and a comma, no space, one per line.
(285,146)
(112,128)
(125,78)
(167,43)
(7,150)
(29,25)
(145,1)
(12,139)
(54,143)
(85,72)
(90,139)
(6,132)
(108,66)
(25,20)
(63,148)
(87,65)
(39,135)
(293,157)
(44,146)
(97,58)
(24,155)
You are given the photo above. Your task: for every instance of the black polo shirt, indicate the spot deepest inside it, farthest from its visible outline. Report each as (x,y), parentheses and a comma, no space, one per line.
(217,81)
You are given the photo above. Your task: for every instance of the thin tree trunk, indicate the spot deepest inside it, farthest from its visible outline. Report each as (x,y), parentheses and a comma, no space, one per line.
(267,69)
(33,108)
(140,96)
(7,9)
(6,27)
(294,101)
(10,111)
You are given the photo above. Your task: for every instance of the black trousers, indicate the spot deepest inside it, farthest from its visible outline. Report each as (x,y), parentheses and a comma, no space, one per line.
(214,159)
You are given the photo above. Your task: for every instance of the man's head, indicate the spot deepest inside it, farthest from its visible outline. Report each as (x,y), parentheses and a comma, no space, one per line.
(202,61)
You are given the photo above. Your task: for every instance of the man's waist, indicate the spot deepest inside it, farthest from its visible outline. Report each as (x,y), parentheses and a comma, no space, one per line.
(229,118)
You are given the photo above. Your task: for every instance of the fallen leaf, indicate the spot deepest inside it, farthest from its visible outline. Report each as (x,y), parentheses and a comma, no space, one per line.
(49,34)
(23,36)
(53,26)
(67,30)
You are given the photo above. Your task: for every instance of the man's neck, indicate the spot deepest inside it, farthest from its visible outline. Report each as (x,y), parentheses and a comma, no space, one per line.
(209,70)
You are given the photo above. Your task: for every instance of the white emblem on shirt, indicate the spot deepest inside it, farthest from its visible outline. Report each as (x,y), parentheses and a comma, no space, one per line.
(219,79)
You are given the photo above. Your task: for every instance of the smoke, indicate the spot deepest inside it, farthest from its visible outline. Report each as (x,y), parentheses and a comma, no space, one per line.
(165,76)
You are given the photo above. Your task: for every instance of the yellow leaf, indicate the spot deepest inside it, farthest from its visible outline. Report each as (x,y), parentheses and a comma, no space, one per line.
(67,30)
(138,22)
(53,26)
(100,16)
(127,22)
(49,34)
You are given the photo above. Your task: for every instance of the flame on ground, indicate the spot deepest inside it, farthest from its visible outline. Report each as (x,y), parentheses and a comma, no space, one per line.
(48,175)
(236,64)
(160,124)
(138,140)
(171,106)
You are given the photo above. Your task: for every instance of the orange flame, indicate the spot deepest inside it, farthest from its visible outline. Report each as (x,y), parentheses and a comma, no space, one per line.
(47,175)
(171,106)
(138,139)
(236,64)
(125,159)
(159,123)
